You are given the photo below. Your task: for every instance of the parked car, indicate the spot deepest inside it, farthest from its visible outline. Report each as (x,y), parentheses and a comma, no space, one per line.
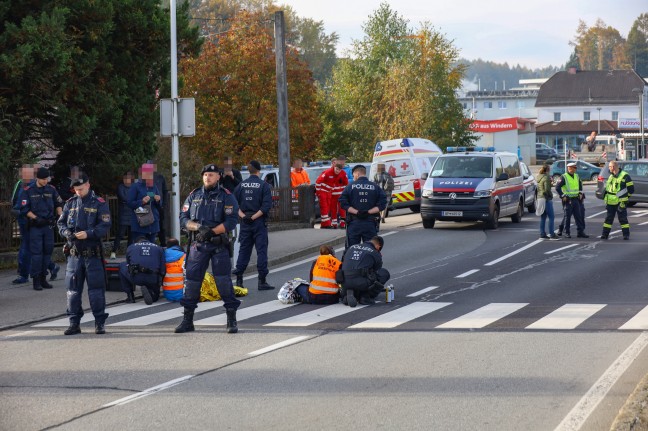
(638,171)
(530,187)
(545,153)
(586,171)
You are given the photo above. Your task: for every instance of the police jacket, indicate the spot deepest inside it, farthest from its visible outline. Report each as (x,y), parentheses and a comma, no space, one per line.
(150,258)
(569,185)
(361,260)
(210,208)
(125,212)
(90,214)
(253,195)
(618,188)
(16,199)
(363,195)
(135,195)
(41,201)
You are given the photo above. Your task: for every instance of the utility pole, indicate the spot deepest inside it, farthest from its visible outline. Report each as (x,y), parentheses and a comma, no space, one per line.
(175,140)
(282,111)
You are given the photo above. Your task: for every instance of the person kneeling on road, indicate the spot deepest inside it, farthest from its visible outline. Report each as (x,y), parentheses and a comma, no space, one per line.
(362,275)
(145,266)
(323,289)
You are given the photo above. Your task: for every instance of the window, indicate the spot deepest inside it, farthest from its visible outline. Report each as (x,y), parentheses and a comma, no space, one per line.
(465,105)
(615,115)
(520,104)
(556,116)
(586,116)
(488,105)
(501,104)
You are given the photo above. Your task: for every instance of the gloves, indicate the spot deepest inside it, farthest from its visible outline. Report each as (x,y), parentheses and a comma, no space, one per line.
(205,234)
(363,214)
(565,199)
(248,220)
(68,234)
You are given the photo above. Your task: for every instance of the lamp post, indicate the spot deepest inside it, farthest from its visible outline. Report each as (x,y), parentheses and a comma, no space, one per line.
(640,93)
(599,121)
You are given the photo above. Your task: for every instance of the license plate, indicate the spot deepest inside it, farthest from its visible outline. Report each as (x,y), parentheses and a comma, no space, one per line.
(396,187)
(452,213)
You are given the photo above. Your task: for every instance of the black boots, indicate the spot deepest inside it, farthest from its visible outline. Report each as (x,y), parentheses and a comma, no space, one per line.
(239,281)
(148,298)
(130,297)
(43,282)
(351,299)
(187,323)
(100,328)
(73,329)
(232,327)
(263,285)
(36,283)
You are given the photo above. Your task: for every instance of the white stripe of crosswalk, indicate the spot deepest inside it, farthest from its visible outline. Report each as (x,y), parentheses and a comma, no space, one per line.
(165,315)
(639,321)
(483,316)
(88,317)
(401,315)
(315,316)
(422,291)
(244,313)
(569,316)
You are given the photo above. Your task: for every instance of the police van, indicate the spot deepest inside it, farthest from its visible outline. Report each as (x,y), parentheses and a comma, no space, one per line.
(468,184)
(408,161)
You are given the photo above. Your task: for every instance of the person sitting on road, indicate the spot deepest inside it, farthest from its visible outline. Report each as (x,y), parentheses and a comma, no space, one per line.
(363,277)
(323,289)
(173,281)
(145,266)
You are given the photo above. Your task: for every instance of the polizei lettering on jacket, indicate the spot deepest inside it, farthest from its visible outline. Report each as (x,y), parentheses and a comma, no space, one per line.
(251,185)
(363,186)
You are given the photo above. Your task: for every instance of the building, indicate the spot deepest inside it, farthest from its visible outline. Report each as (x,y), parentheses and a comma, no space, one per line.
(489,105)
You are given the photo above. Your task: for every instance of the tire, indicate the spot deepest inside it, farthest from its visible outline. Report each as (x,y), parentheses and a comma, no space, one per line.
(493,221)
(532,206)
(517,217)
(415,208)
(594,177)
(555,179)
(428,223)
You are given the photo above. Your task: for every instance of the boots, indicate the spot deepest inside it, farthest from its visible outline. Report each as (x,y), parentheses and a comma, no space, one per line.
(130,297)
(239,280)
(100,328)
(263,285)
(351,299)
(43,282)
(73,329)
(36,283)
(148,298)
(187,323)
(232,327)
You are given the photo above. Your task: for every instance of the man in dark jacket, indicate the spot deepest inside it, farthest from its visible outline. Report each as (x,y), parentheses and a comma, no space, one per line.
(145,266)
(363,275)
(125,213)
(231,177)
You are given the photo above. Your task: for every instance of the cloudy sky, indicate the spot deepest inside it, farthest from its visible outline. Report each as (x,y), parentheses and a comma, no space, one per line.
(532,34)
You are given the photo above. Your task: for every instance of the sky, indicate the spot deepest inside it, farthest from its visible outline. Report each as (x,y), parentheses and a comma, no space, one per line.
(532,34)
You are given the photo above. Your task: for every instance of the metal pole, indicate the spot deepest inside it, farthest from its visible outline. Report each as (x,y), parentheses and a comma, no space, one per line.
(641,123)
(282,105)
(599,121)
(175,155)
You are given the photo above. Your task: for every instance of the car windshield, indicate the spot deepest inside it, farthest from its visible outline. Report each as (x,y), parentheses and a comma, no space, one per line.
(463,167)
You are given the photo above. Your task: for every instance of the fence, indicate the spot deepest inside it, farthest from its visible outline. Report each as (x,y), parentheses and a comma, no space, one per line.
(288,206)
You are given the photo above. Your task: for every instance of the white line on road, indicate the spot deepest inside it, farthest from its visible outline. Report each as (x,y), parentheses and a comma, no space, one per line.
(639,213)
(18,334)
(597,214)
(467,273)
(165,315)
(581,411)
(538,241)
(245,313)
(639,321)
(112,311)
(401,315)
(279,345)
(561,249)
(422,291)
(148,392)
(569,316)
(315,316)
(641,224)
(483,316)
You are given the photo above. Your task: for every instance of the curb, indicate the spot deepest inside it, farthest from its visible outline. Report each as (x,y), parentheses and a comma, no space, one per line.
(634,413)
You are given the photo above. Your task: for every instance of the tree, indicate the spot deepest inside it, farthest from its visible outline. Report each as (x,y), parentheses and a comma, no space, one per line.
(233,81)
(637,45)
(600,47)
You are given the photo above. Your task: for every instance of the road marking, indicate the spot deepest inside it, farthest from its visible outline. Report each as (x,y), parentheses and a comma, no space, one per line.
(639,321)
(641,224)
(315,316)
(18,334)
(569,316)
(597,214)
(639,213)
(401,315)
(165,315)
(113,311)
(147,392)
(561,249)
(581,411)
(422,291)
(245,313)
(483,316)
(467,273)
(538,241)
(279,345)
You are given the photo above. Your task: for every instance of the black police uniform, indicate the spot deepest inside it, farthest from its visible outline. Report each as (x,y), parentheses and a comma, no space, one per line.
(362,195)
(89,214)
(363,274)
(210,208)
(145,266)
(253,195)
(42,202)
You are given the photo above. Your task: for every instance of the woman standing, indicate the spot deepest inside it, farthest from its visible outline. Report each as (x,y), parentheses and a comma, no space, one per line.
(544,191)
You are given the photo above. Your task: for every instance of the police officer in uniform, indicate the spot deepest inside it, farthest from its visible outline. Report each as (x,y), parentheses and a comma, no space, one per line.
(363,276)
(255,200)
(363,201)
(145,266)
(41,205)
(618,188)
(208,214)
(570,190)
(85,220)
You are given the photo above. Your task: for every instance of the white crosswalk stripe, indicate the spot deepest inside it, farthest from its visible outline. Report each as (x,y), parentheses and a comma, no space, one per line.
(483,316)
(165,315)
(569,316)
(401,315)
(113,311)
(244,313)
(639,321)
(315,316)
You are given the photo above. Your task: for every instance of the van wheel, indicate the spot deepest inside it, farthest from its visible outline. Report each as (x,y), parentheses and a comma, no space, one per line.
(532,207)
(415,209)
(555,179)
(428,223)
(517,217)
(493,221)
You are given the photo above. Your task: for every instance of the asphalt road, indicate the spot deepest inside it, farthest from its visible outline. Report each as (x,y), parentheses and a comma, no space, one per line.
(490,330)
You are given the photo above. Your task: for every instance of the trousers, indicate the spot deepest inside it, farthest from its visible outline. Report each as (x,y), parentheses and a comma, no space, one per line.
(41,246)
(253,235)
(129,281)
(80,270)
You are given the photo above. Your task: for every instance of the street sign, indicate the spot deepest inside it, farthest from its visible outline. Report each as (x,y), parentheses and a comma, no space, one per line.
(186,117)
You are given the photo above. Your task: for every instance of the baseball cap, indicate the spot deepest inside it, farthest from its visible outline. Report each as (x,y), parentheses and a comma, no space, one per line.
(42,173)
(79,180)
(255,164)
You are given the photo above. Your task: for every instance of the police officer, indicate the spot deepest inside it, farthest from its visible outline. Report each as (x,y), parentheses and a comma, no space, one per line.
(255,200)
(363,275)
(145,266)
(41,205)
(85,220)
(570,190)
(363,200)
(618,188)
(208,214)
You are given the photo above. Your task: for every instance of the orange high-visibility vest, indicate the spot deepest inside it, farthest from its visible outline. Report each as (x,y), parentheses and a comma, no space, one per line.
(174,278)
(324,275)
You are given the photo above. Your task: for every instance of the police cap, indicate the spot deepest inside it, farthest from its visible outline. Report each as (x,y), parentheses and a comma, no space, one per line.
(572,165)
(79,180)
(42,173)
(255,164)
(209,168)
(358,167)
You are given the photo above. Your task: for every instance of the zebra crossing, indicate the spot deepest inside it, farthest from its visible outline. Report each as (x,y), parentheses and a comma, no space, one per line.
(417,315)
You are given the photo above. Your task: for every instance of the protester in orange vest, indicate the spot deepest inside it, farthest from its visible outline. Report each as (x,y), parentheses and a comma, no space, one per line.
(298,175)
(323,288)
(174,278)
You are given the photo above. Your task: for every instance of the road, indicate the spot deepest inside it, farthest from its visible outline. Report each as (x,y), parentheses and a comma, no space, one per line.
(490,330)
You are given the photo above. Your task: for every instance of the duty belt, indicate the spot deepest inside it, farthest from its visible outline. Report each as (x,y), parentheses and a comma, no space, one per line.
(88,252)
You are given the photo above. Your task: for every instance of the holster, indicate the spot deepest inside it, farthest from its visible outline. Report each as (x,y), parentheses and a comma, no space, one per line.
(221,239)
(66,249)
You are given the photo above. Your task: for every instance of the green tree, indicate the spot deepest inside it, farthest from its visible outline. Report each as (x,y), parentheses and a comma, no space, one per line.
(637,45)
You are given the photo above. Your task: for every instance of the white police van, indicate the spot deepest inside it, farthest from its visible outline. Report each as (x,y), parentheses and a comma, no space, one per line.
(468,184)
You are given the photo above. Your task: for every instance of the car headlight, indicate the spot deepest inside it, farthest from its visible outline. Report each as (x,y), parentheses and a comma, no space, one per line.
(483,193)
(427,193)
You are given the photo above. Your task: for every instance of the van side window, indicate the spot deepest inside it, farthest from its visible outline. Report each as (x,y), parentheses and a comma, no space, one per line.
(511,166)
(499,170)
(271,179)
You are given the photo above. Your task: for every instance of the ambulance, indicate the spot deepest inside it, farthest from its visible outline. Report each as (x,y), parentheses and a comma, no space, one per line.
(408,161)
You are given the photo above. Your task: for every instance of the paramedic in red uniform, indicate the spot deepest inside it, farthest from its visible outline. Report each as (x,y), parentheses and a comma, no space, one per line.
(329,186)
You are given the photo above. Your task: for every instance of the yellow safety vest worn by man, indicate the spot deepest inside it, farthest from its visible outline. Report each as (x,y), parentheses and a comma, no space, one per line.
(618,188)
(570,190)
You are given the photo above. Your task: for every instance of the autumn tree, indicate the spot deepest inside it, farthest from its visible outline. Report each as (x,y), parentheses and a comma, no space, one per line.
(599,47)
(233,81)
(637,45)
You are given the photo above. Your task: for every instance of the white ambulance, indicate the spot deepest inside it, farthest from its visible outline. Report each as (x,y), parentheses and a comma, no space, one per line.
(408,161)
